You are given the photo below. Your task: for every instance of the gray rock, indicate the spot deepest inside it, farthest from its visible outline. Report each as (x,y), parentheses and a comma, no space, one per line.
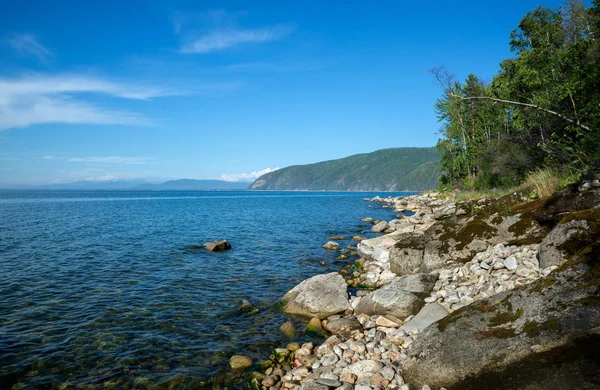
(405,260)
(511,263)
(319,296)
(545,335)
(217,246)
(345,328)
(380,227)
(418,284)
(331,245)
(551,252)
(363,369)
(428,315)
(389,300)
(329,382)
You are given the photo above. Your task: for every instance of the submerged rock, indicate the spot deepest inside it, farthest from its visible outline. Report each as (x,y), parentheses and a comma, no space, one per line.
(240,362)
(320,296)
(217,246)
(288,329)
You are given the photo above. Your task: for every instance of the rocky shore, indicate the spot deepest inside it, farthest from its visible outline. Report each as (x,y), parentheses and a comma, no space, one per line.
(483,294)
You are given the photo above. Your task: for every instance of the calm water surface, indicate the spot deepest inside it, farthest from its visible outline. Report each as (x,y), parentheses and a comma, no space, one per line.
(105,289)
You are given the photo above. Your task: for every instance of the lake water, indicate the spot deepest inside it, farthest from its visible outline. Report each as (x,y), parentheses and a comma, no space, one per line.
(106,289)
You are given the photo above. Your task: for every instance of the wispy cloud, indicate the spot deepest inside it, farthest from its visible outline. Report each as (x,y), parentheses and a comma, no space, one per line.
(49,157)
(227,38)
(246,176)
(38,99)
(28,45)
(111,160)
(102,178)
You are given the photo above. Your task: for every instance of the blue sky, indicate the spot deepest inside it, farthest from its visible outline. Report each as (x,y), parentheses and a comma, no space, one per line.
(97,90)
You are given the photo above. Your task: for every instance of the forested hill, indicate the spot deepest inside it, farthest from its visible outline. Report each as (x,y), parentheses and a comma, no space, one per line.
(396,169)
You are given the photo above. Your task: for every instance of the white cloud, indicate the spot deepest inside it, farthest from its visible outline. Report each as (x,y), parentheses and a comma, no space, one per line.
(246,176)
(49,157)
(41,99)
(102,178)
(27,45)
(224,39)
(111,160)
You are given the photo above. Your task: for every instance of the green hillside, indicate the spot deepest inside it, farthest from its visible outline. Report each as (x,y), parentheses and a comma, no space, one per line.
(396,169)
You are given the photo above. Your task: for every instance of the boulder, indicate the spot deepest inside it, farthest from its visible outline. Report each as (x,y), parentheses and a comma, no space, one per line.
(331,245)
(320,296)
(418,284)
(217,246)
(380,227)
(389,300)
(544,335)
(429,314)
(405,260)
(240,362)
(314,327)
(551,251)
(288,329)
(378,248)
(345,328)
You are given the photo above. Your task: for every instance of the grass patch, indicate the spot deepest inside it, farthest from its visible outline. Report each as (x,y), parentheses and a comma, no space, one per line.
(544,182)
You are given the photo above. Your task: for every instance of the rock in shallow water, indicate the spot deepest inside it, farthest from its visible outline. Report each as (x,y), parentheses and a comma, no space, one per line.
(217,246)
(331,245)
(240,362)
(320,296)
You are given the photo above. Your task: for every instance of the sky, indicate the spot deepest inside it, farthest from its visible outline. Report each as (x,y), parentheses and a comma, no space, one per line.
(160,90)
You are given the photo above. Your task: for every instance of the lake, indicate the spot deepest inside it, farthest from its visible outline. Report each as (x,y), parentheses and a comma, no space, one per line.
(109,289)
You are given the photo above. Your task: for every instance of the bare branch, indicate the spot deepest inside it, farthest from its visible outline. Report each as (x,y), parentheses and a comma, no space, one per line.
(576,123)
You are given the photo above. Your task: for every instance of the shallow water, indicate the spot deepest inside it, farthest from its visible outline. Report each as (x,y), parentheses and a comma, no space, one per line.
(106,289)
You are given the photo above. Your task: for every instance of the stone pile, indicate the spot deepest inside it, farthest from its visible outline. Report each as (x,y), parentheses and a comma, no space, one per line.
(499,268)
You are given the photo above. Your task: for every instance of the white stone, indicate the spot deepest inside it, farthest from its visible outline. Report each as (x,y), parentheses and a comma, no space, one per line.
(511,263)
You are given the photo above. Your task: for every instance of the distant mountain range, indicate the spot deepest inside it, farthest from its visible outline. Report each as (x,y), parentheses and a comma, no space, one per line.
(397,169)
(141,185)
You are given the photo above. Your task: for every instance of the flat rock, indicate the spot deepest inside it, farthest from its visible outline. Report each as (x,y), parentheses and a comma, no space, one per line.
(217,246)
(428,315)
(320,296)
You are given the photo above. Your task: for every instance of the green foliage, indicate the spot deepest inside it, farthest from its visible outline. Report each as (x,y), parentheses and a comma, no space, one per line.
(541,109)
(397,169)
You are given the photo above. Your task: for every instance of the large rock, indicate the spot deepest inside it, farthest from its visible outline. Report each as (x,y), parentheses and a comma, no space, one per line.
(240,362)
(345,328)
(429,314)
(389,300)
(551,249)
(406,260)
(543,336)
(418,284)
(320,296)
(380,227)
(378,248)
(217,246)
